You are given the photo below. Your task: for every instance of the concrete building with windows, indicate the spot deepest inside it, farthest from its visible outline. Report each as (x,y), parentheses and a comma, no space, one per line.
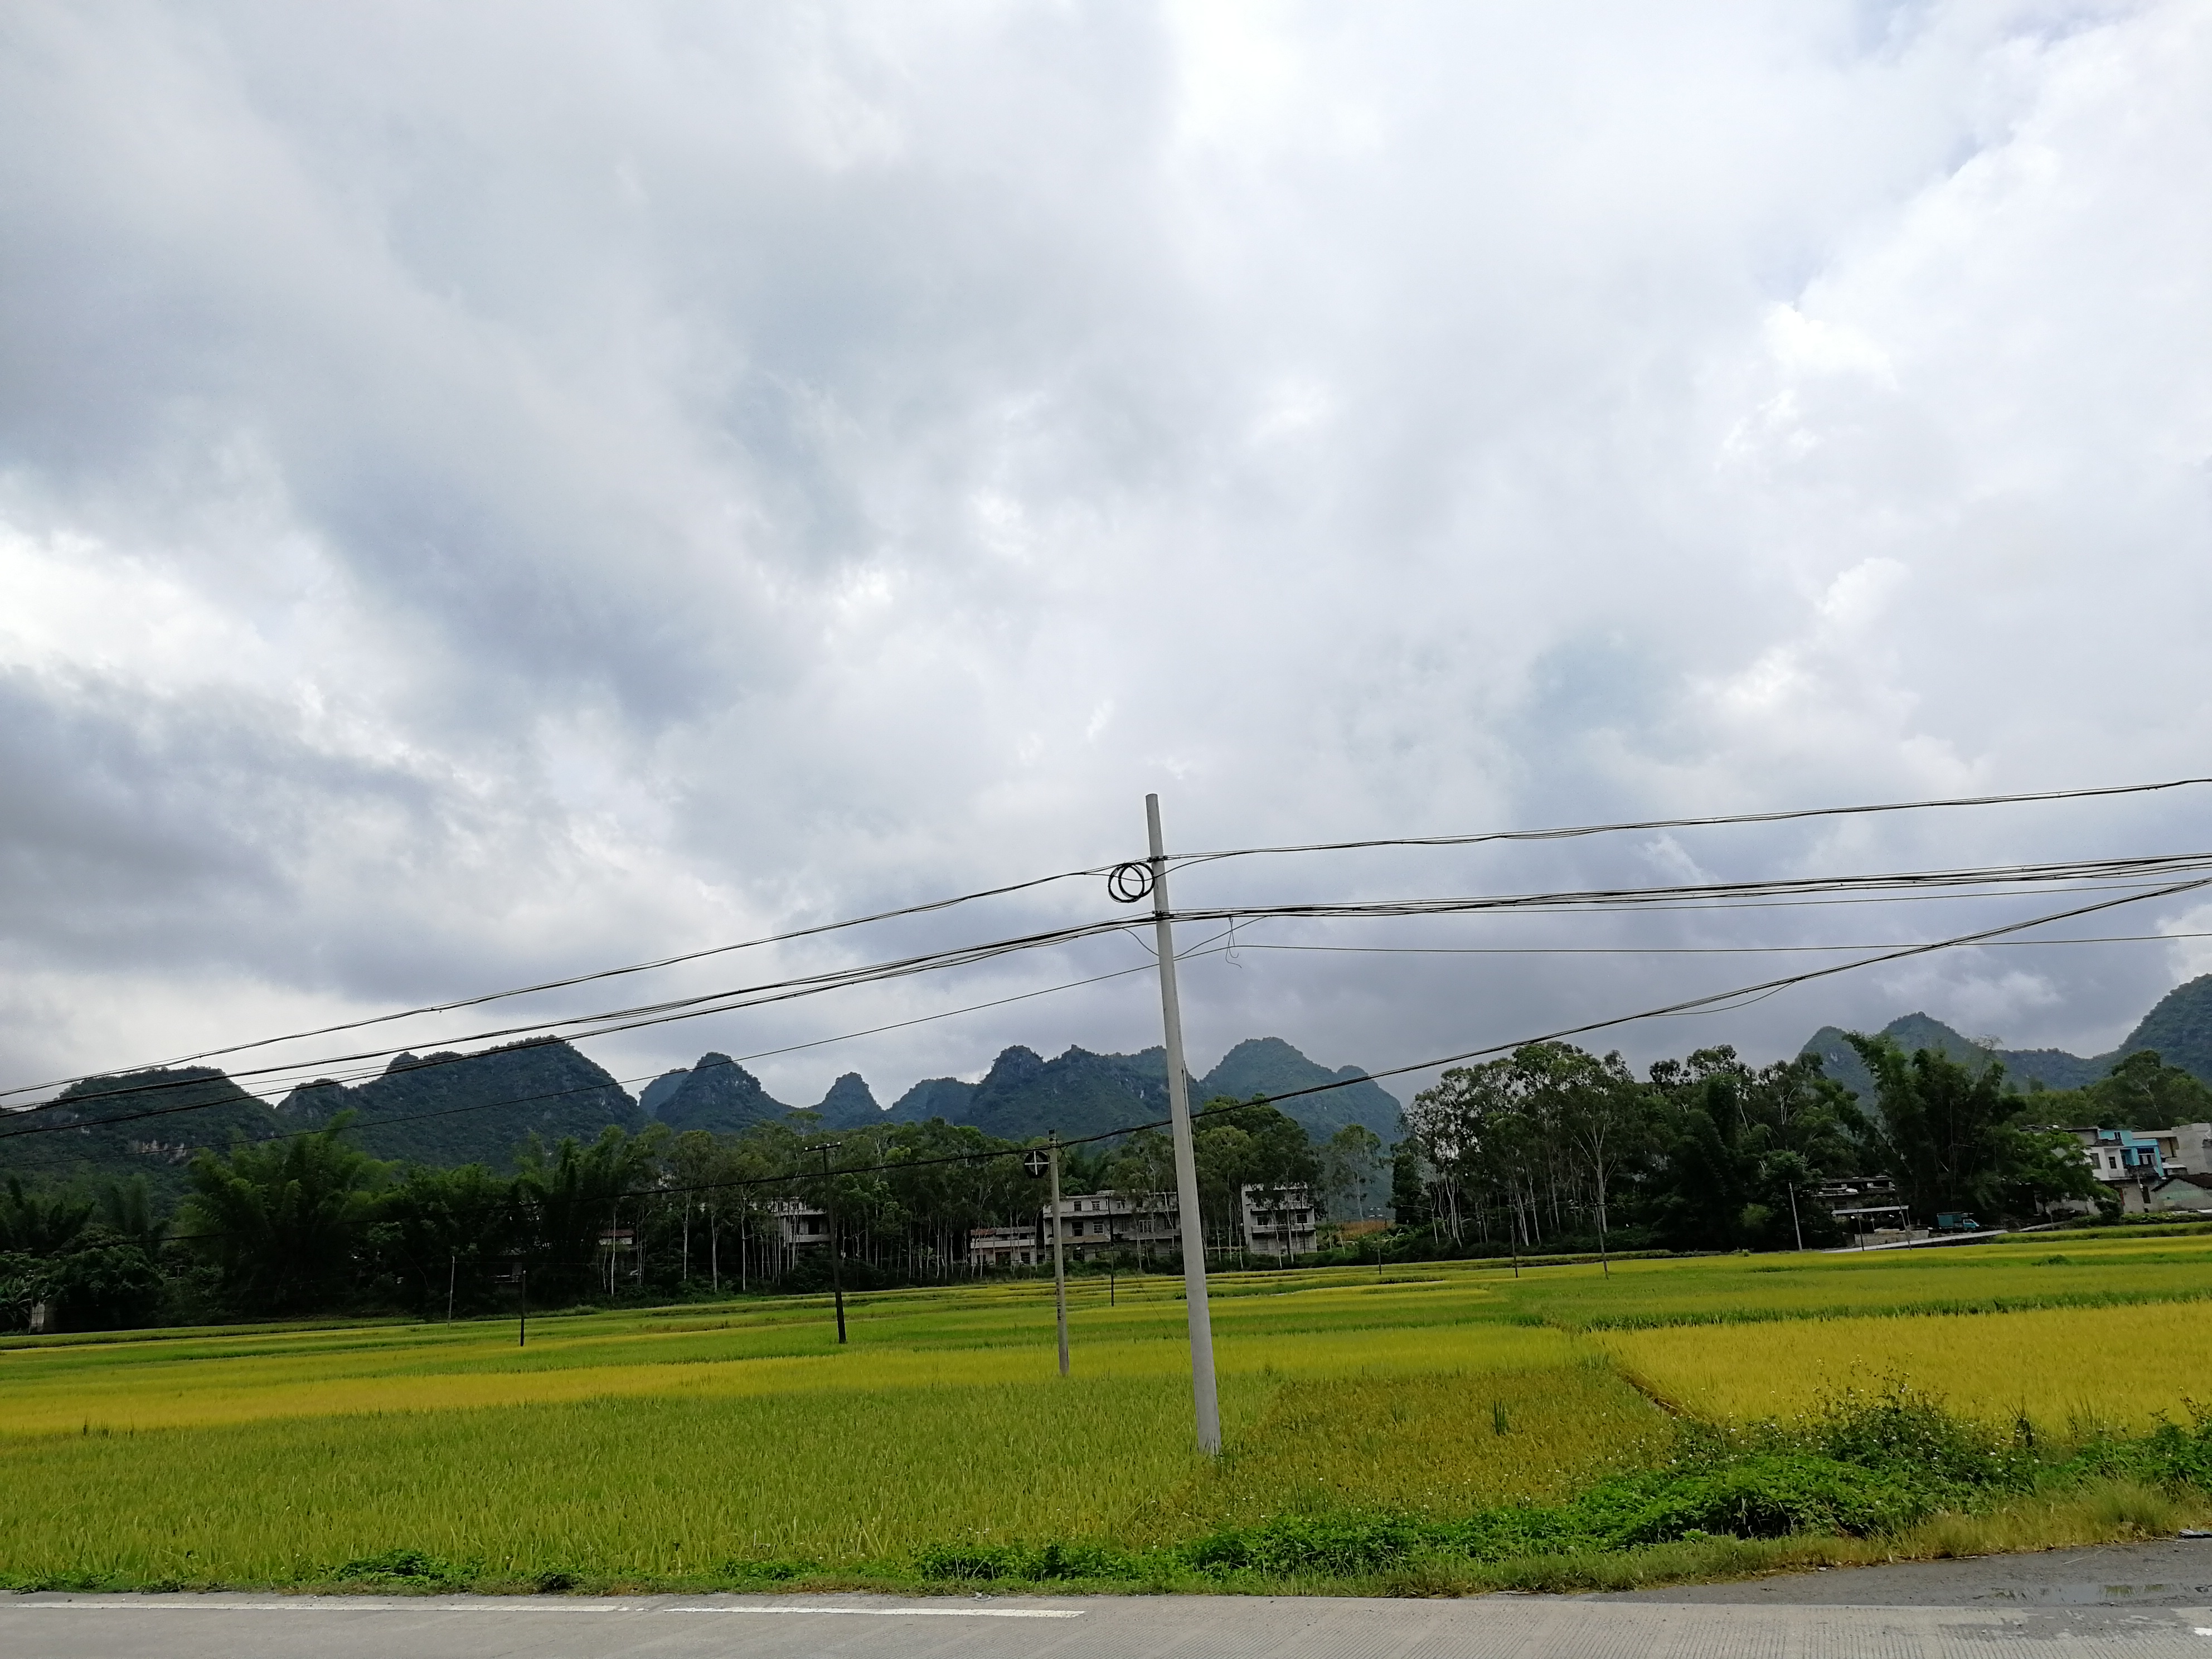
(1097,1223)
(1006,1247)
(2151,1169)
(1281,1221)
(1277,1221)
(799,1224)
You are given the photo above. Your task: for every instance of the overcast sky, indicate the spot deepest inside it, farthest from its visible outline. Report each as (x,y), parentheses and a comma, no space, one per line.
(498,490)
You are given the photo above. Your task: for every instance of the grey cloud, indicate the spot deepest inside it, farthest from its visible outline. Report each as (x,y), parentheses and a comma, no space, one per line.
(674,472)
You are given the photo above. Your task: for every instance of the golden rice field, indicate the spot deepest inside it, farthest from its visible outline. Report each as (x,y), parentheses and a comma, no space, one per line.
(690,1446)
(2070,1370)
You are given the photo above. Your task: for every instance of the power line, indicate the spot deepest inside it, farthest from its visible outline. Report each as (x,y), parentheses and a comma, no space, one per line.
(729,1000)
(1577,831)
(725,1001)
(2145,868)
(1767,987)
(1695,1004)
(931,906)
(1682,949)
(585,978)
(60,1126)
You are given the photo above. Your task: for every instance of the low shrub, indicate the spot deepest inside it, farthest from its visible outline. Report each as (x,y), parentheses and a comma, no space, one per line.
(400,1566)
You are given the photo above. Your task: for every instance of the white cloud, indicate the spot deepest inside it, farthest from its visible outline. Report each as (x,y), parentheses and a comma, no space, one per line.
(495,491)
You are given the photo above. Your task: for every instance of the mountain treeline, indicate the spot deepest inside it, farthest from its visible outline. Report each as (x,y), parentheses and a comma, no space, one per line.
(2178,1029)
(1548,1148)
(310,1222)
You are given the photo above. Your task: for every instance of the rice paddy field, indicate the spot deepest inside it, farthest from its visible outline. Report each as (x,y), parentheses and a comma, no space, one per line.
(737,1442)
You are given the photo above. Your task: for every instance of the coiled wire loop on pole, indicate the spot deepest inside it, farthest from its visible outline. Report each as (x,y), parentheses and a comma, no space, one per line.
(1128,883)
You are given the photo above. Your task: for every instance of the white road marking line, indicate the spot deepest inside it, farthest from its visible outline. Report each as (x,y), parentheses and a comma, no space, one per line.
(906,1613)
(150,1605)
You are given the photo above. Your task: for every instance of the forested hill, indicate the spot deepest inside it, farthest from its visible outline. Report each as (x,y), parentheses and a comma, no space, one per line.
(2178,1028)
(141,1123)
(450,1108)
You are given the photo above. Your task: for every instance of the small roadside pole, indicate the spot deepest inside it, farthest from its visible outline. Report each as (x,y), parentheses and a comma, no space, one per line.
(1048,1162)
(520,1276)
(1059,1266)
(1796,1226)
(836,1268)
(449,1287)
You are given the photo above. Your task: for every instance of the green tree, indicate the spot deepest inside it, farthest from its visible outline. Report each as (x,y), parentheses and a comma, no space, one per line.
(1598,1110)
(1948,1135)
(1350,1171)
(1484,1148)
(284,1221)
(2143,1092)
(574,1194)
(40,1224)
(1734,1148)
(1411,1183)
(444,1232)
(126,1209)
(1249,1144)
(109,1283)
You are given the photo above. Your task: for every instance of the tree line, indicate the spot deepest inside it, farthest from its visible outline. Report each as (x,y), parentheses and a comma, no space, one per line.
(1551,1147)
(1548,1148)
(309,1223)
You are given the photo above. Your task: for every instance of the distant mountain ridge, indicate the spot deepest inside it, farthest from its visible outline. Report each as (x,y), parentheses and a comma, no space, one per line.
(1079,1093)
(446,1108)
(2179,1028)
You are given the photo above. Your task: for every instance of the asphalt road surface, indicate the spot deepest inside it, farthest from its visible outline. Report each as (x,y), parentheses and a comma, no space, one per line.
(2141,1603)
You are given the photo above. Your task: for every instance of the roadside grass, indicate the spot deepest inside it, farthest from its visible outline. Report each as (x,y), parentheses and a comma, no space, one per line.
(2072,1372)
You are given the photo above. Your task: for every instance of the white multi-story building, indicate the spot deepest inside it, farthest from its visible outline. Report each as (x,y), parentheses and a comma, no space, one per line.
(1006,1247)
(1281,1221)
(1278,1221)
(800,1224)
(1092,1223)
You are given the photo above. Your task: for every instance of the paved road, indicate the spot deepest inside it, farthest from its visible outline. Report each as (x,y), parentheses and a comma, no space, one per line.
(2171,1573)
(2078,1603)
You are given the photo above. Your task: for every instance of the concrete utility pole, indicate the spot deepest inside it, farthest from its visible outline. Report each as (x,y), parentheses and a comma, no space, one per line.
(1193,1225)
(1059,1266)
(836,1267)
